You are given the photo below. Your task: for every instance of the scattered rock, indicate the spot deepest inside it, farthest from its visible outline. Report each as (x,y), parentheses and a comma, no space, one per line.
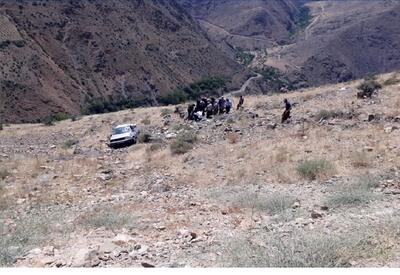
(147,265)
(296,205)
(315,215)
(324,208)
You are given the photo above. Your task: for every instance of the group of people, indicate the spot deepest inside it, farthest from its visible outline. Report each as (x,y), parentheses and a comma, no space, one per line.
(208,108)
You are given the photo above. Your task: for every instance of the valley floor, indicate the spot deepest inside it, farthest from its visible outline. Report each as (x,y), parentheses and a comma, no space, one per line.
(323,190)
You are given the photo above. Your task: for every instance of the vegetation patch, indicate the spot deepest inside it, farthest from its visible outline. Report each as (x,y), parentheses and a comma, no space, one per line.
(183,143)
(316,249)
(111,104)
(69,143)
(207,87)
(243,57)
(111,219)
(353,194)
(50,120)
(368,87)
(312,169)
(36,229)
(275,79)
(329,114)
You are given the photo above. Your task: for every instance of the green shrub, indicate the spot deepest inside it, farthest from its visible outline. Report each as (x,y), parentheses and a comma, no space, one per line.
(112,104)
(183,143)
(368,87)
(206,87)
(272,204)
(275,79)
(391,81)
(51,119)
(311,169)
(243,57)
(69,143)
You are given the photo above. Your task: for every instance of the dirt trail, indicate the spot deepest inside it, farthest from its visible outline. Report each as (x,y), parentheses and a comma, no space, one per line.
(245,85)
(314,22)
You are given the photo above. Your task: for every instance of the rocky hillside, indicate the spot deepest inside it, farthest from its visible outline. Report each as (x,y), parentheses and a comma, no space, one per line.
(344,40)
(56,56)
(236,190)
(254,24)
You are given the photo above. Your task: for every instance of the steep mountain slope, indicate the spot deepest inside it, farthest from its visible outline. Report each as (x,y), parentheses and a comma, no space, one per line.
(345,40)
(56,55)
(253,24)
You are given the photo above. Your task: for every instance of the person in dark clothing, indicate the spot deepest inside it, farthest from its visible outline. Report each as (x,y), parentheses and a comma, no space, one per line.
(241,102)
(228,106)
(221,105)
(286,113)
(190,110)
(198,106)
(209,111)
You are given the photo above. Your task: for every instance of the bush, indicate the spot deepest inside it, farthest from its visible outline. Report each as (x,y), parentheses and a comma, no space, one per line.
(1,126)
(275,79)
(368,87)
(243,57)
(50,120)
(311,169)
(206,87)
(111,104)
(144,137)
(325,114)
(69,143)
(183,143)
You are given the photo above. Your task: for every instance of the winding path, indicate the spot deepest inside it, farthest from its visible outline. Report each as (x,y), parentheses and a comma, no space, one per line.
(244,86)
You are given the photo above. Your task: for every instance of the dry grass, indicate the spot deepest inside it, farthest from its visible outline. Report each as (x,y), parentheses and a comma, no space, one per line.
(361,160)
(353,194)
(316,168)
(109,218)
(183,143)
(314,249)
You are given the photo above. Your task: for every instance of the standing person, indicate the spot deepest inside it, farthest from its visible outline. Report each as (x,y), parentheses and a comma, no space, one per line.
(222,105)
(190,111)
(209,111)
(228,105)
(241,102)
(286,113)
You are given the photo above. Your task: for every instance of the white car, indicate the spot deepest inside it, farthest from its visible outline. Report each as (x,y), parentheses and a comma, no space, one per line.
(122,135)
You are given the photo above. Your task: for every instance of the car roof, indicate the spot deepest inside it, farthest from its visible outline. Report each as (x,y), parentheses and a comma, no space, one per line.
(125,125)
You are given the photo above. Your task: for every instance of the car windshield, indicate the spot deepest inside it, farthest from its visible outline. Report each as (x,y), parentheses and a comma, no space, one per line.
(121,130)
